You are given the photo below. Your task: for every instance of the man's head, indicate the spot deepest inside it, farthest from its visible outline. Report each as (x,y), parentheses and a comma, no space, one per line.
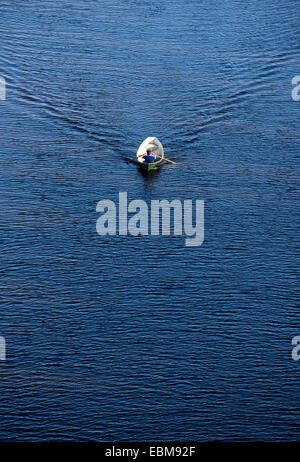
(149,152)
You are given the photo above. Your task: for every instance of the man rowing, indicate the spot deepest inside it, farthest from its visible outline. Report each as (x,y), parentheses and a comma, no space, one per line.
(149,157)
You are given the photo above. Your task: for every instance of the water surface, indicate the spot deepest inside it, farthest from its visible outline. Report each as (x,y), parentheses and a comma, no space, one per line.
(141,338)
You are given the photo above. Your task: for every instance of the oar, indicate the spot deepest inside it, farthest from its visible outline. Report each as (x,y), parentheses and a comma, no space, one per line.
(168,160)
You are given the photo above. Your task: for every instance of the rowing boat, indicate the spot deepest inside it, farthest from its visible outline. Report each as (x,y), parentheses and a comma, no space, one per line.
(156,149)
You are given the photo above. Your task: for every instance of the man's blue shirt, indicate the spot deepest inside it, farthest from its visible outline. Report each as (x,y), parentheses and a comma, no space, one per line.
(149,158)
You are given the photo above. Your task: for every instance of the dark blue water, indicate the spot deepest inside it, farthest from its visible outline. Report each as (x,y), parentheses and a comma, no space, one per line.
(141,338)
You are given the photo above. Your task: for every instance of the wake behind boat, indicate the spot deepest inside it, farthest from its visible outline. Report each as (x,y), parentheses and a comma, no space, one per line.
(150,154)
